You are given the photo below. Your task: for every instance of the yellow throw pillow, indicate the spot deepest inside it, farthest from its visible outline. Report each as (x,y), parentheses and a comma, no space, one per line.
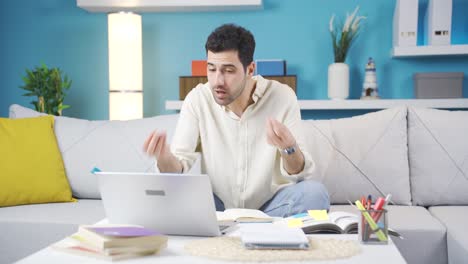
(31,166)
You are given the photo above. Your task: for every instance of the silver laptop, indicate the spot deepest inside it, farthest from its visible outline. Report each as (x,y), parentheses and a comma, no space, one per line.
(173,204)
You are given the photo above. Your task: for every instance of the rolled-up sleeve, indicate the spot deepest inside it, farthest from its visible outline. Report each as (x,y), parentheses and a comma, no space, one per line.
(187,134)
(293,122)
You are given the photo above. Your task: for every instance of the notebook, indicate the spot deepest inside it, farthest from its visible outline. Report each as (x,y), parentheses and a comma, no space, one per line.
(173,204)
(271,236)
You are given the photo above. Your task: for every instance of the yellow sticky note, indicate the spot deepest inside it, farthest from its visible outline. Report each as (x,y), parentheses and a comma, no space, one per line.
(295,222)
(318,214)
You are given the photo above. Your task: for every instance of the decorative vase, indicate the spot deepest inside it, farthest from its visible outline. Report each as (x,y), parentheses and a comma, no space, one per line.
(338,81)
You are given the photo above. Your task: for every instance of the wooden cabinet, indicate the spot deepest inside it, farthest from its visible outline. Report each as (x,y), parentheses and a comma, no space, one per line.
(187,83)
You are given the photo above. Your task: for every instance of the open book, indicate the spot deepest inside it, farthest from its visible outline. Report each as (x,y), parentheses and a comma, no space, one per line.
(337,223)
(242,215)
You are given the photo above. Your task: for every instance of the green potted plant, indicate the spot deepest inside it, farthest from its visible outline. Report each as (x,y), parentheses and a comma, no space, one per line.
(48,86)
(343,36)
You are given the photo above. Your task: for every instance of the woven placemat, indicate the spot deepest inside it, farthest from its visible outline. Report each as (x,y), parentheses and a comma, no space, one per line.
(231,248)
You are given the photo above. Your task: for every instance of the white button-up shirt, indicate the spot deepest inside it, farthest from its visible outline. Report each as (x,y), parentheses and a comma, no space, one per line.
(245,171)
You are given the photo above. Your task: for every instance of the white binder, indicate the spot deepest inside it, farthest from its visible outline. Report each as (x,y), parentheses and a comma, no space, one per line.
(272,236)
(405,23)
(438,22)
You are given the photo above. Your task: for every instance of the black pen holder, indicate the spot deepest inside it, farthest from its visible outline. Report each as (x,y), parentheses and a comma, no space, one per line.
(373,227)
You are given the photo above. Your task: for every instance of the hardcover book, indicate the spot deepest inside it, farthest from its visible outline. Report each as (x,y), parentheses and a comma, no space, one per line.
(76,247)
(103,237)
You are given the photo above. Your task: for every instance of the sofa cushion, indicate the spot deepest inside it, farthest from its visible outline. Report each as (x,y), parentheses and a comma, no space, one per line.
(438,155)
(424,236)
(454,218)
(361,155)
(108,145)
(29,228)
(84,211)
(31,166)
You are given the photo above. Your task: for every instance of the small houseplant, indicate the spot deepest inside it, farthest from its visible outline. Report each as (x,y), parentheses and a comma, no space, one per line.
(343,36)
(49,88)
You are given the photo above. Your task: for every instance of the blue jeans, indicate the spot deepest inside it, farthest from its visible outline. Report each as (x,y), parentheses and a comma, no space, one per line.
(293,199)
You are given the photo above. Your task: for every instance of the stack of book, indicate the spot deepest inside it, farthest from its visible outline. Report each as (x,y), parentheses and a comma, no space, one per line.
(113,242)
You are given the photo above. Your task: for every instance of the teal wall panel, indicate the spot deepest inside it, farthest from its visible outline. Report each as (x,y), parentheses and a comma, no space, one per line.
(60,34)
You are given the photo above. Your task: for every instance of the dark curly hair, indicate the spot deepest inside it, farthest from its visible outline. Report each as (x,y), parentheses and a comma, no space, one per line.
(232,37)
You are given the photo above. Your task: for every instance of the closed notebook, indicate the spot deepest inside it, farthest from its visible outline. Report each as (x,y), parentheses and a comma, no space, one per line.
(271,236)
(142,249)
(117,236)
(75,247)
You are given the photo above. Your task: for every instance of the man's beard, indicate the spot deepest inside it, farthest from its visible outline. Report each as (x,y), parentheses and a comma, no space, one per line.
(228,99)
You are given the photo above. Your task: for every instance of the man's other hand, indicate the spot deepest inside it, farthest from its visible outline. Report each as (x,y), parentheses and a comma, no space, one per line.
(279,135)
(155,145)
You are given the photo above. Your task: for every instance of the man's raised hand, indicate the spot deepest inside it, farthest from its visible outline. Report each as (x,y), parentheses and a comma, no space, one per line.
(279,135)
(155,145)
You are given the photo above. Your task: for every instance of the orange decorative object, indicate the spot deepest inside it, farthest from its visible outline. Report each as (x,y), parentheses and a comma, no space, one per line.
(199,67)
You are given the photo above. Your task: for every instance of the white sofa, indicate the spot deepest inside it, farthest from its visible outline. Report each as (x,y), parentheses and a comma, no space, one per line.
(418,155)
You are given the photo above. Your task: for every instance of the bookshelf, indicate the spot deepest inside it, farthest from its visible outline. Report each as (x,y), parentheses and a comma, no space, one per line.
(355,104)
(187,83)
(435,17)
(419,51)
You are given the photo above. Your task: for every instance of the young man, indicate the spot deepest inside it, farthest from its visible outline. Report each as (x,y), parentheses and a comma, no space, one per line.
(249,131)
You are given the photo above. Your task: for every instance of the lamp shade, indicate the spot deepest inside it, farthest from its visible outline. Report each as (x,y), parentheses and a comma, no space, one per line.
(125,66)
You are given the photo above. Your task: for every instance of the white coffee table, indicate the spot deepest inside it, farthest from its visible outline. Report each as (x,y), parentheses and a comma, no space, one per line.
(175,254)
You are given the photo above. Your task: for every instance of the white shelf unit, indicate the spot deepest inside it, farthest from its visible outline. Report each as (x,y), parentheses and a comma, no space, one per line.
(405,22)
(417,51)
(461,103)
(108,6)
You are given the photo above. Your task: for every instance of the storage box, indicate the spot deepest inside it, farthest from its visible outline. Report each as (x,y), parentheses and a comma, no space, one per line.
(438,85)
(199,67)
(270,67)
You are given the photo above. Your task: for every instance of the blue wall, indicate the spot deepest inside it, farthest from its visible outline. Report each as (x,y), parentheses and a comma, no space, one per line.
(58,33)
